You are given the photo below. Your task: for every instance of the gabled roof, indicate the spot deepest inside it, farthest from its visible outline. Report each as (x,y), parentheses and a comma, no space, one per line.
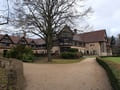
(95,36)
(39,41)
(1,36)
(77,37)
(29,40)
(15,39)
(66,28)
(23,38)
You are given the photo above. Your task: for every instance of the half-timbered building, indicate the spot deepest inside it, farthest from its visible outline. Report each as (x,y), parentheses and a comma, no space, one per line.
(89,43)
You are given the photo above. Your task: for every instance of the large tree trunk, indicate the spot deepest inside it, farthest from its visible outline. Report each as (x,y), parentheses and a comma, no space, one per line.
(49,38)
(49,55)
(49,48)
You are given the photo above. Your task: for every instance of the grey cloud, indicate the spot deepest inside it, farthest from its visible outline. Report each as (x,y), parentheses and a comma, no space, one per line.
(107,15)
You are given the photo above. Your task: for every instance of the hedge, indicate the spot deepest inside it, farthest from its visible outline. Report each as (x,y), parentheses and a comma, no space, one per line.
(69,55)
(113,79)
(72,50)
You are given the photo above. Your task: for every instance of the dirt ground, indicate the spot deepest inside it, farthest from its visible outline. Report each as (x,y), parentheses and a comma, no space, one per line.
(85,75)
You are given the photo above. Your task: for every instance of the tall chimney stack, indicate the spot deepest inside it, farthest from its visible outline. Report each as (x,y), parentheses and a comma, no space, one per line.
(75,31)
(119,36)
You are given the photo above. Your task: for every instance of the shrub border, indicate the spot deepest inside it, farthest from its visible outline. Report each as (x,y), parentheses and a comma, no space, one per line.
(113,80)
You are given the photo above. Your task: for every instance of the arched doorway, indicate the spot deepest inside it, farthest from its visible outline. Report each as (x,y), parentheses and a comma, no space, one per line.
(87,52)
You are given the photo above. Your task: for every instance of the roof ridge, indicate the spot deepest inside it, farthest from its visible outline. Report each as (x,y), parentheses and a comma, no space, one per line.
(93,31)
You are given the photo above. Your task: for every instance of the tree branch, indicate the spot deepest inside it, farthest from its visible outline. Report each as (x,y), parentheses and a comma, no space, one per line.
(7,15)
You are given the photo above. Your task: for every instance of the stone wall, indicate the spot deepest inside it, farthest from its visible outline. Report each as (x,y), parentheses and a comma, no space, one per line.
(93,48)
(80,49)
(12,74)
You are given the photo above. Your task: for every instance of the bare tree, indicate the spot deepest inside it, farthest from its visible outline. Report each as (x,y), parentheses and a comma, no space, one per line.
(6,18)
(45,18)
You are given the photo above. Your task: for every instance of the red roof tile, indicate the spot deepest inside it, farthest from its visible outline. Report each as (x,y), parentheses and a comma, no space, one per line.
(15,39)
(29,40)
(1,36)
(95,36)
(39,41)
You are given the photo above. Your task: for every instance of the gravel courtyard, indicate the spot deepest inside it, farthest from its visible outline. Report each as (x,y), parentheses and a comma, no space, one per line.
(85,75)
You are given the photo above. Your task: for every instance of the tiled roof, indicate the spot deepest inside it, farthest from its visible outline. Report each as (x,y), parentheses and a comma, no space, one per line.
(29,40)
(15,39)
(95,36)
(1,36)
(39,41)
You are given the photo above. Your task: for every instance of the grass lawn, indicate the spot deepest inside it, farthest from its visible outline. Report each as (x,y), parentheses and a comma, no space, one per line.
(90,56)
(57,61)
(113,59)
(114,64)
(65,61)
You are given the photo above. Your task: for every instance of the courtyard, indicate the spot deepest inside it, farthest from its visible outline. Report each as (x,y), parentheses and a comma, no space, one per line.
(84,75)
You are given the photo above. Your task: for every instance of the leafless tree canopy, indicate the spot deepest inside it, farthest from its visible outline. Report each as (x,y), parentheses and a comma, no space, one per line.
(40,14)
(45,18)
(5,18)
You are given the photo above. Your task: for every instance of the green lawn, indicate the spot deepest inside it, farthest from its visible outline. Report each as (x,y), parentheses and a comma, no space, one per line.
(114,64)
(57,61)
(113,59)
(65,61)
(90,56)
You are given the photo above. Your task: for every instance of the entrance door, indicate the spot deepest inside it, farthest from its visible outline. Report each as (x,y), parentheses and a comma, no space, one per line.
(5,53)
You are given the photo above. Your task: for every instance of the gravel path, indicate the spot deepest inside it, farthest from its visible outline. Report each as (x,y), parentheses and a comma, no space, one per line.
(86,75)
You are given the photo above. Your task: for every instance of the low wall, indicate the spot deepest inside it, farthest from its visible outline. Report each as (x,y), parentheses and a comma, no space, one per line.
(13,74)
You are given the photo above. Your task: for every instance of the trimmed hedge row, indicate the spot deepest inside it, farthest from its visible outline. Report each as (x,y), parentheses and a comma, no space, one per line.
(114,81)
(70,55)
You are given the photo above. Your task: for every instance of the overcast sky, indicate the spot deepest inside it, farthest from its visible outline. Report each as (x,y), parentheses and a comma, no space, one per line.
(106,15)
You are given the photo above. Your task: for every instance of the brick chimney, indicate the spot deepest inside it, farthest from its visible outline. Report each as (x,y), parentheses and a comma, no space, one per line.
(119,36)
(75,31)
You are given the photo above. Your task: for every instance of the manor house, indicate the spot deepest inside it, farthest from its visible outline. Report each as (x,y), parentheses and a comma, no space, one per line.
(88,43)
